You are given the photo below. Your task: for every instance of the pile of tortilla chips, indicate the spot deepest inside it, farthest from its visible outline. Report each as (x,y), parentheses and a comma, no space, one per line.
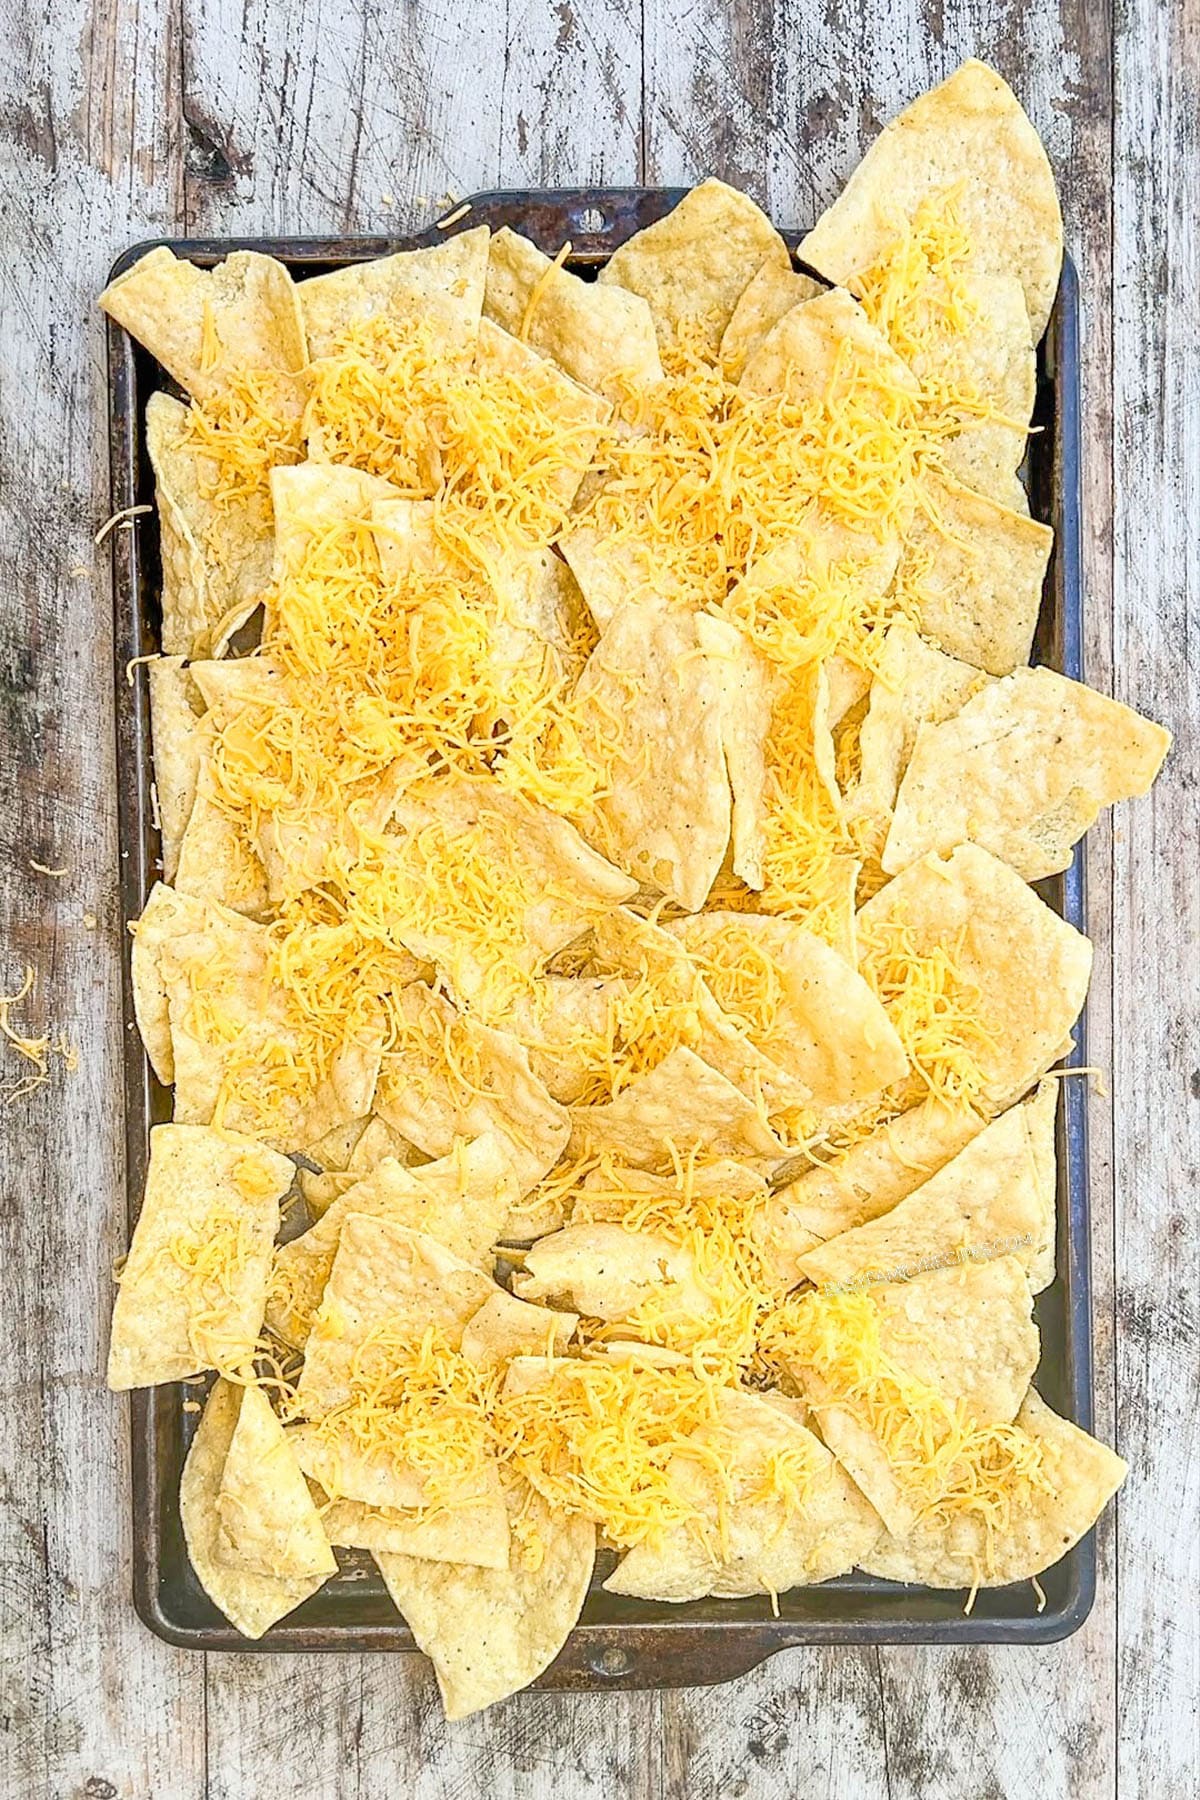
(600,776)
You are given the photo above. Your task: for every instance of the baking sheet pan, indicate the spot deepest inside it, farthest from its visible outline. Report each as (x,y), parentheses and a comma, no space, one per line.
(619,1642)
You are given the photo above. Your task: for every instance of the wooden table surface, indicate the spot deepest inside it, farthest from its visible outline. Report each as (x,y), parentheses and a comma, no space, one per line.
(145,117)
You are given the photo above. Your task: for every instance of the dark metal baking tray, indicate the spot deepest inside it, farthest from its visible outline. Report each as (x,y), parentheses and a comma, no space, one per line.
(619,1642)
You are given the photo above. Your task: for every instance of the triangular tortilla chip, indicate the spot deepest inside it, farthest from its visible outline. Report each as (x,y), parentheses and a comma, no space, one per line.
(683,1010)
(178,739)
(991,358)
(226,1013)
(611,571)
(746,689)
(216,556)
(693,265)
(1029,968)
(558,1021)
(194,1285)
(441,285)
(965,1334)
(346,1154)
(995,1198)
(650,706)
(469,836)
(873,1176)
(572,409)
(445,1077)
(475,1534)
(975,577)
(505,1327)
(489,1632)
(165,915)
(460,1201)
(311,500)
(602,336)
(827,1027)
(1076,1479)
(683,1104)
(606,1272)
(362,1479)
(769,293)
(268,1523)
(383,1273)
(800,355)
(217,862)
(250,1601)
(914,684)
(748,1536)
(970,134)
(1023,769)
(209,326)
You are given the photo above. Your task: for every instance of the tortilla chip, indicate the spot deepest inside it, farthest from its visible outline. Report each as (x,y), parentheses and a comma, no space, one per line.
(178,741)
(363,1479)
(441,285)
(683,1104)
(1023,770)
(217,865)
(381,1272)
(489,1632)
(461,1202)
(612,571)
(267,1521)
(607,1272)
(995,1198)
(746,688)
(800,356)
(693,266)
(770,293)
(966,1332)
(254,312)
(545,884)
(751,1540)
(969,134)
(651,708)
(194,1285)
(976,582)
(205,597)
(557,1021)
(250,1601)
(241,1014)
(641,951)
(165,915)
(1028,966)
(571,408)
(602,336)
(828,1030)
(505,1327)
(993,358)
(873,1176)
(475,1534)
(312,499)
(347,1153)
(914,685)
(447,1077)
(1041,1523)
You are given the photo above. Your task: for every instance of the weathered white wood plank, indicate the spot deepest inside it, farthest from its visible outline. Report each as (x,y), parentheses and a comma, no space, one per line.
(328,118)
(571,94)
(1156,899)
(92,1703)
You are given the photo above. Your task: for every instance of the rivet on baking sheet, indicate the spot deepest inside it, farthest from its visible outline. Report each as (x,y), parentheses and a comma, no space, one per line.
(612,1662)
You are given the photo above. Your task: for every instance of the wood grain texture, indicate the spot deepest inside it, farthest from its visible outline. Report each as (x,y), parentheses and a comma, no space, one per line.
(124,120)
